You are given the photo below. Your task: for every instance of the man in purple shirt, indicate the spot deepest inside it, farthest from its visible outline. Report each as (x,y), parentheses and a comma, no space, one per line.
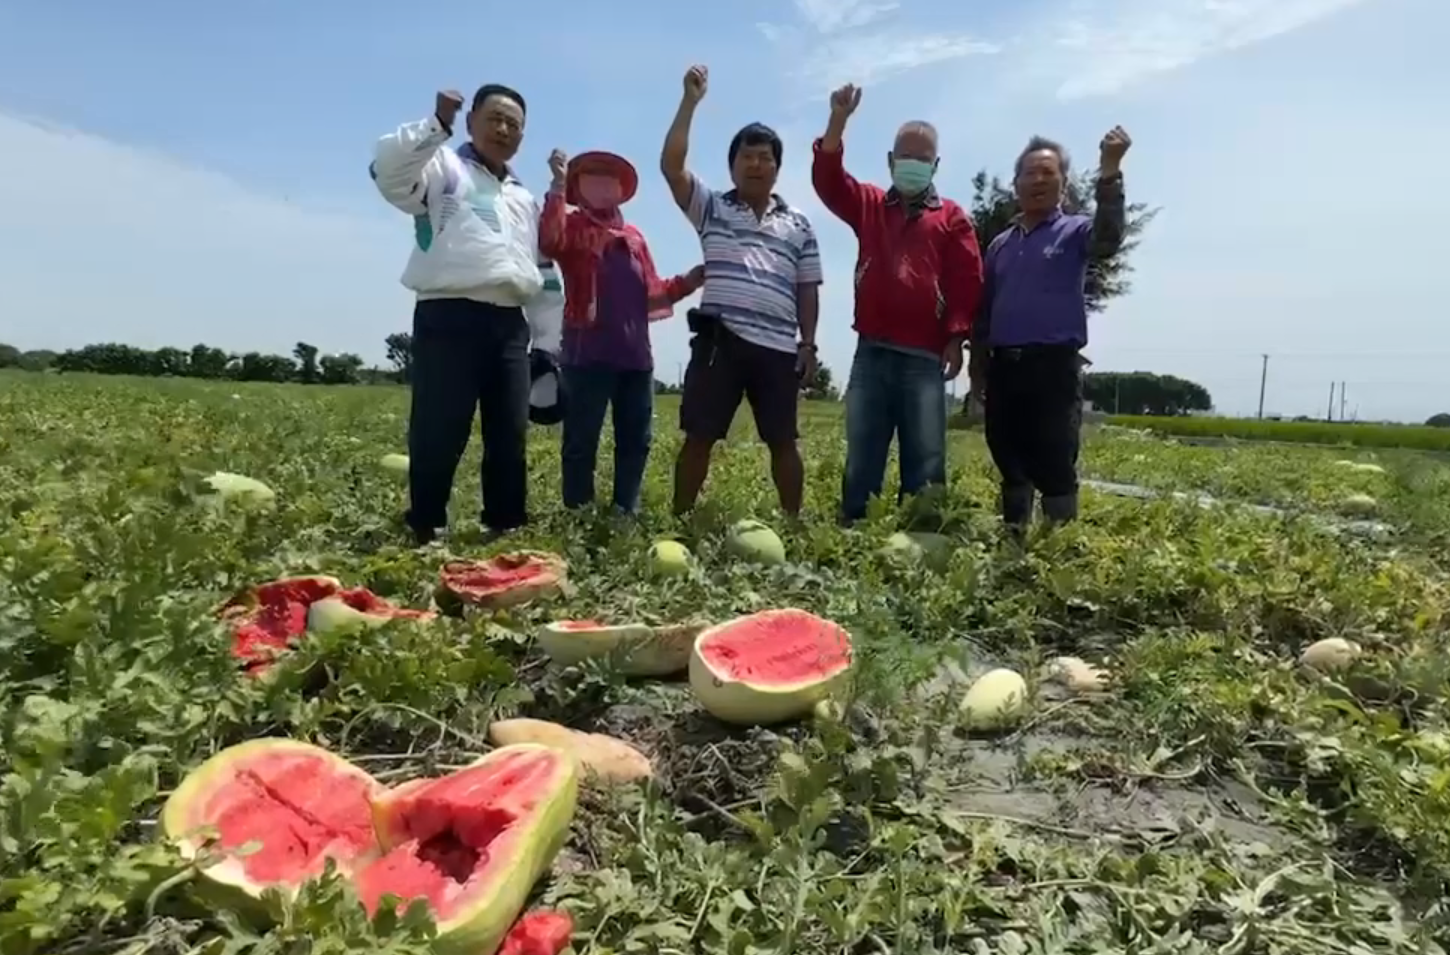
(1026,341)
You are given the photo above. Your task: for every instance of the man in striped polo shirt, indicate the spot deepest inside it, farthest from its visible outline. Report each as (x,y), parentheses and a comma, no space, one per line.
(754,334)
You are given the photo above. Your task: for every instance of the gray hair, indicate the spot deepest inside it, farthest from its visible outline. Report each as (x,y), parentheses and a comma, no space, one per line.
(918,126)
(1039,143)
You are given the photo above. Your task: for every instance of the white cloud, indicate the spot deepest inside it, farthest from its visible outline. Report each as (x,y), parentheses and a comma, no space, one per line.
(874,57)
(832,44)
(100,241)
(830,16)
(1106,47)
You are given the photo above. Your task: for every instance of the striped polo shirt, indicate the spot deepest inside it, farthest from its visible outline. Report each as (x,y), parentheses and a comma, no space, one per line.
(754,265)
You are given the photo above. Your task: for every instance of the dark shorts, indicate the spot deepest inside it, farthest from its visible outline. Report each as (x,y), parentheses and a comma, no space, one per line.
(723,369)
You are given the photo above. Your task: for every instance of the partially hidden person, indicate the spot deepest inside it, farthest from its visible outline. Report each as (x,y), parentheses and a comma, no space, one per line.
(475,270)
(1026,362)
(918,287)
(611,294)
(754,332)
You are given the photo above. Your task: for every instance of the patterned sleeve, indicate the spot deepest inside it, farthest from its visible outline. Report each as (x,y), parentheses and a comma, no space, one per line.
(808,265)
(702,203)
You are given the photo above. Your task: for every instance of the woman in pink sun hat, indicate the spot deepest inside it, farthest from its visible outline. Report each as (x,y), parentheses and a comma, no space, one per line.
(611,294)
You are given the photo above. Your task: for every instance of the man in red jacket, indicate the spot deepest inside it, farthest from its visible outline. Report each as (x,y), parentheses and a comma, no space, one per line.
(918,283)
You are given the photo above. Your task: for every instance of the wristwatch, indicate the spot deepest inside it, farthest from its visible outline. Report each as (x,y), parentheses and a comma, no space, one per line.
(806,346)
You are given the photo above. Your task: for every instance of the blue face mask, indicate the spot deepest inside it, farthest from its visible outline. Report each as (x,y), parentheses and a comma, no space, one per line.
(911,176)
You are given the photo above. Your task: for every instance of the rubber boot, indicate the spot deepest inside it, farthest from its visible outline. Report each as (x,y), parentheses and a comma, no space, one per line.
(1016,507)
(1060,509)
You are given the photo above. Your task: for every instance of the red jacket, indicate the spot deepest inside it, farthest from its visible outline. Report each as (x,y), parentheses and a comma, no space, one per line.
(918,273)
(576,240)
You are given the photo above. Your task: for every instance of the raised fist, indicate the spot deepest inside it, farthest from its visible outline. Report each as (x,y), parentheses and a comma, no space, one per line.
(558,164)
(447,105)
(1113,147)
(845,100)
(697,80)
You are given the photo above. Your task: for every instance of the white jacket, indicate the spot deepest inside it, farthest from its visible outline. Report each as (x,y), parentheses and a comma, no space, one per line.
(476,237)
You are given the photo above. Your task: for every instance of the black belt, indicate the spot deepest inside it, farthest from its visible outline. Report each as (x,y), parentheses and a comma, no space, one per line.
(1018,352)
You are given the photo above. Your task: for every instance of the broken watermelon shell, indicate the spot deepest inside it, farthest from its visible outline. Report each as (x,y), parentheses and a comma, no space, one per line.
(770,666)
(473,843)
(503,580)
(267,620)
(639,649)
(298,804)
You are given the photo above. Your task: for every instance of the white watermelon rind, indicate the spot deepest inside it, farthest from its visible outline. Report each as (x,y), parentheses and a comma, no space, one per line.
(754,703)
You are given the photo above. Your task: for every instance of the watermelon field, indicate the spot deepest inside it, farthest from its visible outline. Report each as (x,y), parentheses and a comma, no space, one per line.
(1194,783)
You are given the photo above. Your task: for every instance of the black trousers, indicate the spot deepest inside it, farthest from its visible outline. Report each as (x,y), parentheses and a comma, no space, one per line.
(468,355)
(1034,423)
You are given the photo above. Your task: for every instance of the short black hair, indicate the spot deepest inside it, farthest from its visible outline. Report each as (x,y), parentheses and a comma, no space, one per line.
(498,89)
(757,134)
(1038,144)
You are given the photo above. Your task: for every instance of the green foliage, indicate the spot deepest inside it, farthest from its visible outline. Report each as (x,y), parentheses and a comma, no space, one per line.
(1216,800)
(1144,393)
(994,206)
(206,362)
(1345,433)
(822,387)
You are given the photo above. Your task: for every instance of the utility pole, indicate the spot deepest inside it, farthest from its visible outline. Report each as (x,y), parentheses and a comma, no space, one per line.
(1263,382)
(1330,415)
(1341,401)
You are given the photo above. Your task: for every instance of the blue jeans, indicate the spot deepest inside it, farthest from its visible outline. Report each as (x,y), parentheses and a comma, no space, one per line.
(591,389)
(892,392)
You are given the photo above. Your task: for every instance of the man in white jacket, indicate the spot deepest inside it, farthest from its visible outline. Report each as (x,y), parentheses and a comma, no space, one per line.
(475,270)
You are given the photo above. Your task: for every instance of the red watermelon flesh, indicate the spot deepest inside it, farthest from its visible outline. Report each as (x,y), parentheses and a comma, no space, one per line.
(298,804)
(540,932)
(441,837)
(273,616)
(778,647)
(579,625)
(504,579)
(487,576)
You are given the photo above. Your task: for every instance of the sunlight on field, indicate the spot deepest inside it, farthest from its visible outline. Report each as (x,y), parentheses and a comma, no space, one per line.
(1215,792)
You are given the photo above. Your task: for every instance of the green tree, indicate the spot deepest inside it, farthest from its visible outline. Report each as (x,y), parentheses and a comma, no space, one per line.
(1441,420)
(1144,393)
(9,356)
(254,366)
(400,355)
(207,362)
(822,387)
(341,369)
(38,359)
(994,206)
(306,356)
(171,362)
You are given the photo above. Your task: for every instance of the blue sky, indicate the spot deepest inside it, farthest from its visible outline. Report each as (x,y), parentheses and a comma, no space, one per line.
(178,173)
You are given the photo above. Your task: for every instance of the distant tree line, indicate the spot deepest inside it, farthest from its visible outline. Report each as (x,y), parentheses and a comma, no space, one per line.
(306,365)
(1144,393)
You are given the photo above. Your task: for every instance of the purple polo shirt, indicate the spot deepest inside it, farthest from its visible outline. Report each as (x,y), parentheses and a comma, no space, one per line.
(619,336)
(1035,282)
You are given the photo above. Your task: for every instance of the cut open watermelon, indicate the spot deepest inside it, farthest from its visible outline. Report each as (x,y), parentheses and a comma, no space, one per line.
(504,580)
(637,649)
(770,666)
(473,843)
(294,805)
(269,619)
